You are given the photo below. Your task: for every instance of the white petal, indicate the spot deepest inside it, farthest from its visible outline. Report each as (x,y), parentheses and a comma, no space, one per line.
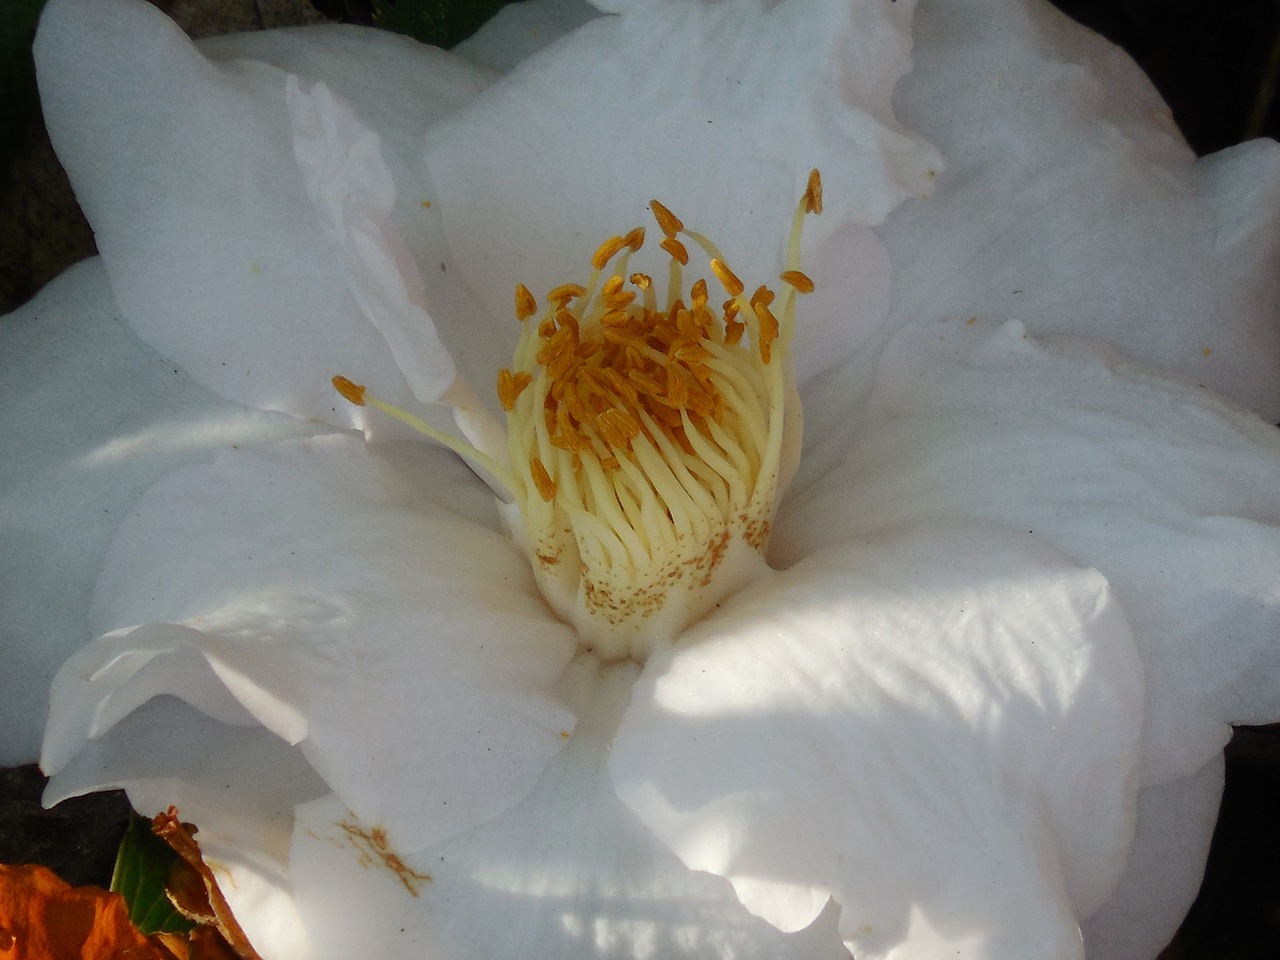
(351,185)
(185,168)
(239,786)
(92,418)
(1071,202)
(316,590)
(519,30)
(717,109)
(938,728)
(1175,825)
(569,874)
(1168,490)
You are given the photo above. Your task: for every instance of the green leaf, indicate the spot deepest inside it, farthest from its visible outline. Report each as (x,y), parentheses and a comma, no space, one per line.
(441,23)
(142,867)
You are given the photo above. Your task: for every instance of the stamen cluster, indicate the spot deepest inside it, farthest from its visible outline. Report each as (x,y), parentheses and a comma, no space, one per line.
(650,433)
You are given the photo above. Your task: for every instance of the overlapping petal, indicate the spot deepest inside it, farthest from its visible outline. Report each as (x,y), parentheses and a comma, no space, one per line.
(569,873)
(1165,488)
(185,168)
(718,110)
(937,727)
(1166,865)
(935,724)
(313,589)
(239,784)
(1071,202)
(92,418)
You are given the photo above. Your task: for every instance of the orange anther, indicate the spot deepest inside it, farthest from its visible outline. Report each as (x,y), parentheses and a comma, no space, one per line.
(726,277)
(676,249)
(634,239)
(351,392)
(617,427)
(565,292)
(526,306)
(510,386)
(606,252)
(813,193)
(768,330)
(542,480)
(667,220)
(800,281)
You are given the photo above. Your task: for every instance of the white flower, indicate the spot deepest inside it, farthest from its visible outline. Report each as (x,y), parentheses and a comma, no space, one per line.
(1020,586)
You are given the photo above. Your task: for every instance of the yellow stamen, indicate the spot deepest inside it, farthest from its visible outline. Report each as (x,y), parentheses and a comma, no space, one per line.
(510,386)
(546,486)
(668,222)
(728,279)
(813,193)
(606,252)
(351,392)
(526,305)
(357,394)
(662,428)
(798,280)
(676,249)
(645,448)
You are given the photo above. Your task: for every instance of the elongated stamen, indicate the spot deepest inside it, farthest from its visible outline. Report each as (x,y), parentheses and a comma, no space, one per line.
(356,394)
(645,440)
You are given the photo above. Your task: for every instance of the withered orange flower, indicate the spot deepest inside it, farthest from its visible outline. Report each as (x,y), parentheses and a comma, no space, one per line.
(42,917)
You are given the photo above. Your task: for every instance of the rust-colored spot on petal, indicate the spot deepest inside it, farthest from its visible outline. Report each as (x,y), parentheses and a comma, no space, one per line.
(375,851)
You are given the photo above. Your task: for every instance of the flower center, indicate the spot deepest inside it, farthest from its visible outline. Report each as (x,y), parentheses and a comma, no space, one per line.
(647,442)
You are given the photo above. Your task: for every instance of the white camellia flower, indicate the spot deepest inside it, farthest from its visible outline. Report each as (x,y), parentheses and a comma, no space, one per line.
(950,678)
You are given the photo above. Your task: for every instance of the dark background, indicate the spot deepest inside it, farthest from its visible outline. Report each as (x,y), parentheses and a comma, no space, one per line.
(1216,63)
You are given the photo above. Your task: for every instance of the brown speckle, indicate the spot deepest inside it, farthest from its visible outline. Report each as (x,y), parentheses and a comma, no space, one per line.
(373,850)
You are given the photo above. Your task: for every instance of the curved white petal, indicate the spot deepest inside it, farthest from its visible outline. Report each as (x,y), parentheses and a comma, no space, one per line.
(91,419)
(569,874)
(313,589)
(937,727)
(519,30)
(717,109)
(1175,825)
(1071,202)
(238,785)
(185,168)
(354,194)
(1168,490)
